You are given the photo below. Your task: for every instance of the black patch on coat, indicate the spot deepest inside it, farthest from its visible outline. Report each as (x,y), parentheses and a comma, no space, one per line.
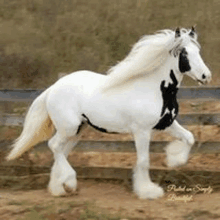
(184,62)
(80,128)
(96,127)
(169,103)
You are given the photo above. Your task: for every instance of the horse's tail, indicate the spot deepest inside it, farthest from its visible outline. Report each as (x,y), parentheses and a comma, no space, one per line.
(37,127)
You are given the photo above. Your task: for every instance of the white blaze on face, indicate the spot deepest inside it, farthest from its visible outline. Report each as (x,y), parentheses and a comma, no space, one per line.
(199,71)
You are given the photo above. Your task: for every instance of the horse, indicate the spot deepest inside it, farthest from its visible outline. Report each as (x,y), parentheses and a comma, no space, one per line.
(137,96)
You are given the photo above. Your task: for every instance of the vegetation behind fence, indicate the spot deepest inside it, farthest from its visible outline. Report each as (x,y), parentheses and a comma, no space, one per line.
(41,38)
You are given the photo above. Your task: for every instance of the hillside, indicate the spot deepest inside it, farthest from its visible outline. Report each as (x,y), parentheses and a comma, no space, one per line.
(40,38)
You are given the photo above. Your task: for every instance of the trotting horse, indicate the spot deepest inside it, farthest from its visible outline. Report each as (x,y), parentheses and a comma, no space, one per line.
(137,96)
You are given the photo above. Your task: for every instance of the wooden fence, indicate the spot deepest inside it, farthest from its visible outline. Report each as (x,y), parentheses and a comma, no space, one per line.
(185,93)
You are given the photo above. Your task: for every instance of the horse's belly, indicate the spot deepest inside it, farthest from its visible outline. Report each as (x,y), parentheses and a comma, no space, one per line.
(105,118)
(122,112)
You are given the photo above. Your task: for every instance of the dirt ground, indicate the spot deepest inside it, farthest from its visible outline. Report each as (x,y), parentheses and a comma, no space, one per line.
(107,200)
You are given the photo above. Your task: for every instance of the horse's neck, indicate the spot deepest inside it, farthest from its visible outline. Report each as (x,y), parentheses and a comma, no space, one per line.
(150,81)
(168,73)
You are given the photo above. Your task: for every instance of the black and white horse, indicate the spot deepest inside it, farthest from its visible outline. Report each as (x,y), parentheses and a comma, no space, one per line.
(137,96)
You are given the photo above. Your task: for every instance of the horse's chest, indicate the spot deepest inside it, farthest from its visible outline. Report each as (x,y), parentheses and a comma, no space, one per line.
(170,105)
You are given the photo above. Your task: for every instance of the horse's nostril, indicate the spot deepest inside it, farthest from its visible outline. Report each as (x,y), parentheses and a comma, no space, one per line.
(203,76)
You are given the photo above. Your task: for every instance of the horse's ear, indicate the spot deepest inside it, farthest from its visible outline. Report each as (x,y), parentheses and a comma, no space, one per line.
(193,31)
(177,32)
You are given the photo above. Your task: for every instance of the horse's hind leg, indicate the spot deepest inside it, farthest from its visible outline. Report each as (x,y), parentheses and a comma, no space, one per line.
(63,176)
(64,113)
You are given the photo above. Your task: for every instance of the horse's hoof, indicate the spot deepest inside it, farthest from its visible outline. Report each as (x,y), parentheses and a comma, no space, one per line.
(70,185)
(69,190)
(56,190)
(177,153)
(150,191)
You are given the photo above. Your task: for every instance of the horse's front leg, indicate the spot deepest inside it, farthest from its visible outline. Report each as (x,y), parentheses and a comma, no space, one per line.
(143,186)
(178,150)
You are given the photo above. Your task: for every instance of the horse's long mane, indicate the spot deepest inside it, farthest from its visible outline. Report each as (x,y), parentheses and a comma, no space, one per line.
(147,55)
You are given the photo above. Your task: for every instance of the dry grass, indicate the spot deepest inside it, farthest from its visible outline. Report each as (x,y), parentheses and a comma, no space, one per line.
(63,210)
(42,38)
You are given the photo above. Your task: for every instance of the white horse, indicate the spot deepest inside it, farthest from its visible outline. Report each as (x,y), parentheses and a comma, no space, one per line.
(137,96)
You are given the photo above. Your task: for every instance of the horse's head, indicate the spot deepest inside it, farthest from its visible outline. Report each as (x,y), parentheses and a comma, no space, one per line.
(187,51)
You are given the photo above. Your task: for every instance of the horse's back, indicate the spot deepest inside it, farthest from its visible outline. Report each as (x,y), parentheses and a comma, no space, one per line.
(72,88)
(78,82)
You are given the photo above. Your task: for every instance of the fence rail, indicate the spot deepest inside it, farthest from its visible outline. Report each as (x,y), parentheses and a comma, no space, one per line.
(36,177)
(129,146)
(27,95)
(184,119)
